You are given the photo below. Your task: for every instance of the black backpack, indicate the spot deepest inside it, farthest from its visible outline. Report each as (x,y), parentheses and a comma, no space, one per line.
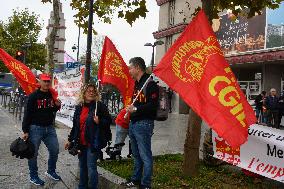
(22,149)
(163,105)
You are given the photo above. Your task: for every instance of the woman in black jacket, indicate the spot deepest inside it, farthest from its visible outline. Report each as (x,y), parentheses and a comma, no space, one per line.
(89,134)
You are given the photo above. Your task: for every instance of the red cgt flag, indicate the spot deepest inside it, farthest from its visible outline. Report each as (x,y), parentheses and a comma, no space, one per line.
(21,72)
(196,69)
(113,70)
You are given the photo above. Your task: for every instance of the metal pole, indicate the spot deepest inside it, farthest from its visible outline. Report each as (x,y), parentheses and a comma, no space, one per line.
(152,61)
(89,42)
(78,45)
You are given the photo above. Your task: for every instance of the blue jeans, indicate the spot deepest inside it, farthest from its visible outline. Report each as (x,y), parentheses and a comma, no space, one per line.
(260,113)
(140,134)
(49,138)
(88,169)
(121,134)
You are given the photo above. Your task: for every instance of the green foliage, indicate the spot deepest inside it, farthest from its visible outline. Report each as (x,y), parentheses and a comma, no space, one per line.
(97,46)
(167,173)
(21,28)
(129,10)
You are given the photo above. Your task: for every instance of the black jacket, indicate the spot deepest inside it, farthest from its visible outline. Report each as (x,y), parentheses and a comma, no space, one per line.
(39,110)
(96,135)
(259,102)
(272,103)
(146,104)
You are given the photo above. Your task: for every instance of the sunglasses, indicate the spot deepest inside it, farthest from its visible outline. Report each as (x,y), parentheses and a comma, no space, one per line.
(46,81)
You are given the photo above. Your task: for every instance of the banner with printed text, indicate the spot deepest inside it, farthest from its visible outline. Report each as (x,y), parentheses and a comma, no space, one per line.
(263,153)
(68,85)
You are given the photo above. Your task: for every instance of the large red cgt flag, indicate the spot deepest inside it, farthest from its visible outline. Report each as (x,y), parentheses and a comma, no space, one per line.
(113,70)
(196,69)
(21,72)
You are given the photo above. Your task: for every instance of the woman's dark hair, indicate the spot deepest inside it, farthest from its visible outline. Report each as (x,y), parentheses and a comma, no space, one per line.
(138,62)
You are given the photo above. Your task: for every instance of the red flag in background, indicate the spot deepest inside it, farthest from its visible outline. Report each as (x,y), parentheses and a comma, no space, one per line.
(21,72)
(113,70)
(196,69)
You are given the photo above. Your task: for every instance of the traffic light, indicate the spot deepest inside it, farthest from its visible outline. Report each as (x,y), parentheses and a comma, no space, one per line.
(20,56)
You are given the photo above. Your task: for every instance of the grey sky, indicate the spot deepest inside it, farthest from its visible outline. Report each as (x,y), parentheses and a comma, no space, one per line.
(128,40)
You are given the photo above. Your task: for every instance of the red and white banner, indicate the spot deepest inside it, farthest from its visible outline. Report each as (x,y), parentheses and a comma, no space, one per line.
(68,85)
(263,153)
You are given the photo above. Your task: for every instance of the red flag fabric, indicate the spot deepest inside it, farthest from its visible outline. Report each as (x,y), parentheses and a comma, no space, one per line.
(21,72)
(196,69)
(113,70)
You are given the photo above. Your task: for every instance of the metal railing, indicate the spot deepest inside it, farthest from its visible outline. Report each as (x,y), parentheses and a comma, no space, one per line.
(113,101)
(14,102)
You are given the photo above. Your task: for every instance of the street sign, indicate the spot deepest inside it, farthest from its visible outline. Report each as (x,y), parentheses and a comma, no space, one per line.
(70,65)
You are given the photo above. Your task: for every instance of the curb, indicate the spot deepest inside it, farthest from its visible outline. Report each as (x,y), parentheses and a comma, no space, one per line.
(109,180)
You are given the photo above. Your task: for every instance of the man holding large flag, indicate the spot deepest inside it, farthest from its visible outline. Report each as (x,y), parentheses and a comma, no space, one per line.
(196,69)
(142,115)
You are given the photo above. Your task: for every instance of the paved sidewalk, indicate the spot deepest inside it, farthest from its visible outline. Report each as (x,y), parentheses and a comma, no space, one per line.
(168,137)
(14,171)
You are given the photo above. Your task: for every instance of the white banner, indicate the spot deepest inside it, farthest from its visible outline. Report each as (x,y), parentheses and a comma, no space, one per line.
(68,85)
(263,153)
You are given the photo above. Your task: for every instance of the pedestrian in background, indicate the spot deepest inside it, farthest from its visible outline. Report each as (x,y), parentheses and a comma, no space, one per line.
(281,107)
(259,103)
(272,105)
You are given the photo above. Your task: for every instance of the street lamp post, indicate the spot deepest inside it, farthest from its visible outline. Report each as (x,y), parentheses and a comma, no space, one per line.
(153,49)
(77,47)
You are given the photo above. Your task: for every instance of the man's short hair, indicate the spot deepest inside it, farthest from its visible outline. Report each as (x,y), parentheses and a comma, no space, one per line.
(263,92)
(138,62)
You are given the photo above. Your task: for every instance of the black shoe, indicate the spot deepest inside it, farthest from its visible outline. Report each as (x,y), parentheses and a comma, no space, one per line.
(131,183)
(144,187)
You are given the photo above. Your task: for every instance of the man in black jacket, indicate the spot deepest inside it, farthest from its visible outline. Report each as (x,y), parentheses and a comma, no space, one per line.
(142,115)
(259,102)
(38,125)
(281,107)
(272,105)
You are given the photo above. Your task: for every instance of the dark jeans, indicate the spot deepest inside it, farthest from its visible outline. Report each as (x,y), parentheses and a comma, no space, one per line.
(140,134)
(49,138)
(261,118)
(273,118)
(88,169)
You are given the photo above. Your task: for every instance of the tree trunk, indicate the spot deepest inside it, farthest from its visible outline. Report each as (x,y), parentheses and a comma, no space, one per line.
(192,141)
(89,42)
(191,146)
(52,37)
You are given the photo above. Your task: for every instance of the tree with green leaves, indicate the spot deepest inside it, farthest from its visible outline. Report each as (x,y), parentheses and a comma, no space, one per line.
(129,10)
(23,28)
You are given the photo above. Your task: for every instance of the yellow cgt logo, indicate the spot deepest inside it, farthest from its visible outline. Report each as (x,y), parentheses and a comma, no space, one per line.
(190,59)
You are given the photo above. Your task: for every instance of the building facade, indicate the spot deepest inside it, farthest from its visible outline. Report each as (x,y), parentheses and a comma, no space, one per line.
(256,67)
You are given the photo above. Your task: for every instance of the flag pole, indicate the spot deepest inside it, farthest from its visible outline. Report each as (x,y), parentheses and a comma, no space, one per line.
(98,88)
(125,116)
